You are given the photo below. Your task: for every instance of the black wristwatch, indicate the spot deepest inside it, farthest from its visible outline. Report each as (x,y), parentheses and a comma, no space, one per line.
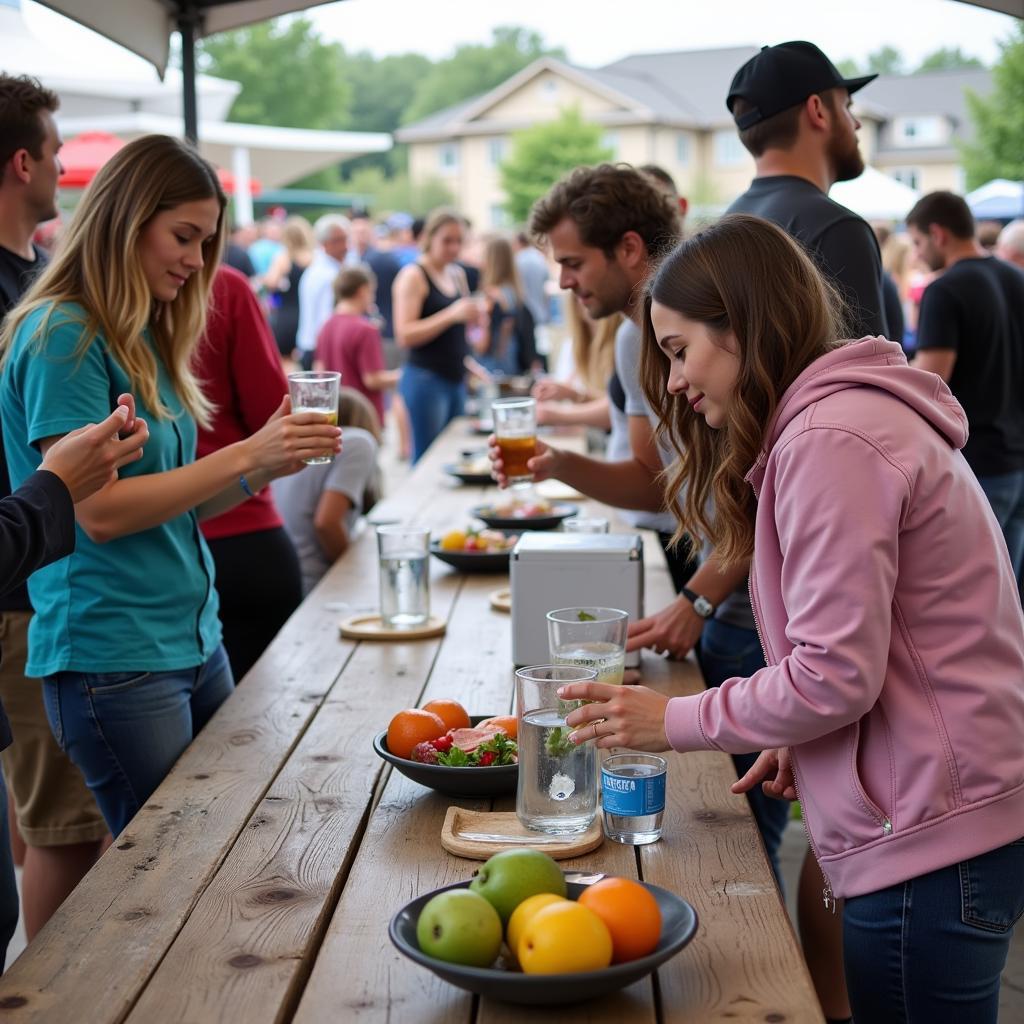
(701,605)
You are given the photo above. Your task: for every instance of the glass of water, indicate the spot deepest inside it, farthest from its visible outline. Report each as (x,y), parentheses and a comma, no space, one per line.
(633,797)
(585,524)
(316,391)
(557,787)
(591,638)
(404,576)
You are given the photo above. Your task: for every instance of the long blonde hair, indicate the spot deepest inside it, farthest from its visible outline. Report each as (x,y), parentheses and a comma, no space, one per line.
(499,269)
(749,277)
(593,345)
(97,266)
(297,237)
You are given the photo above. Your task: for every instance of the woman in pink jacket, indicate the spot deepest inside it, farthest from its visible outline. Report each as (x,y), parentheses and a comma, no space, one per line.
(892,704)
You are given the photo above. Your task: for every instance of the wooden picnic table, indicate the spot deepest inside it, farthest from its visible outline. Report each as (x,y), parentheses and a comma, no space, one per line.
(257,883)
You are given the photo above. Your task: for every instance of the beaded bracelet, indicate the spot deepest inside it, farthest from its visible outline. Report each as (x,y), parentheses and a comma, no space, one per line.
(244,484)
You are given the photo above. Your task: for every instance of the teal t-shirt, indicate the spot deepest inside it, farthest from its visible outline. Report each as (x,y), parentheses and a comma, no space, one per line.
(143,602)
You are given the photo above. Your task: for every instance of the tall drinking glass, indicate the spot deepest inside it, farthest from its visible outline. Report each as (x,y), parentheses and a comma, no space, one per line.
(592,638)
(316,391)
(557,788)
(404,576)
(515,427)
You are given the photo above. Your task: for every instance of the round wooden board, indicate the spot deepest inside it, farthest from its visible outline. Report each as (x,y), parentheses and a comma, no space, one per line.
(370,627)
(477,835)
(501,600)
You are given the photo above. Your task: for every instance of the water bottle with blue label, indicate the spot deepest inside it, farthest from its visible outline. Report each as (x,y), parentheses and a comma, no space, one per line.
(633,797)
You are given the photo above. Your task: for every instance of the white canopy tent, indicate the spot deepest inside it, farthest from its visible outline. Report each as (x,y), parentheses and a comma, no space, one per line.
(875,196)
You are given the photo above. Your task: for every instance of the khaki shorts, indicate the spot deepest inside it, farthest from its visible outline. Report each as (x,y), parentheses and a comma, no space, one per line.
(52,802)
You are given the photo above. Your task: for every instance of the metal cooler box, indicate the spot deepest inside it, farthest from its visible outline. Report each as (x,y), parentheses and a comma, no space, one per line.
(559,570)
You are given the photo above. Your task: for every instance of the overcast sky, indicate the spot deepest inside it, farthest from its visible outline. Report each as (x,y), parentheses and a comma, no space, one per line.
(593,32)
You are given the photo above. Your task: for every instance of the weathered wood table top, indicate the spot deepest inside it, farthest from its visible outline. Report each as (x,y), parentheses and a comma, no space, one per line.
(257,883)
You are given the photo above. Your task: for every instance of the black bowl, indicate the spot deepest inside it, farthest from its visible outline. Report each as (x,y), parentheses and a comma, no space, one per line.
(475,479)
(494,781)
(678,924)
(559,511)
(473,561)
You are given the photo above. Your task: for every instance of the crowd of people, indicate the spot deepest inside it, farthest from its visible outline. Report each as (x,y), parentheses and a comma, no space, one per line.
(844,528)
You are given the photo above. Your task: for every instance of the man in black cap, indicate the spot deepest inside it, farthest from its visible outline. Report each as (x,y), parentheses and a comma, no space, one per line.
(792,108)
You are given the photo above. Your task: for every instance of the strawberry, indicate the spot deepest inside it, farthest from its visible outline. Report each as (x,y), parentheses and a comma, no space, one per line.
(424,753)
(442,742)
(488,758)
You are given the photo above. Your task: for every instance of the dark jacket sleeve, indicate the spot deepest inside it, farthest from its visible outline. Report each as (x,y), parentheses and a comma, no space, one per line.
(849,253)
(37,526)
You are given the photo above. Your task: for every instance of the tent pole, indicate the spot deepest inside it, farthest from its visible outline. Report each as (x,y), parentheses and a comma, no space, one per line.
(187,27)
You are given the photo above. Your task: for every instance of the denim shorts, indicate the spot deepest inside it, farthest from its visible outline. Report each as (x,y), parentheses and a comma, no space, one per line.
(933,948)
(125,730)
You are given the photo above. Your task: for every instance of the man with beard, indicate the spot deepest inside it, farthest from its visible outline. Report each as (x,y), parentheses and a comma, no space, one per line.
(792,108)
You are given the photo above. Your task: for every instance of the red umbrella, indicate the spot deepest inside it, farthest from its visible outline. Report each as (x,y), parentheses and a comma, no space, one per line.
(82,156)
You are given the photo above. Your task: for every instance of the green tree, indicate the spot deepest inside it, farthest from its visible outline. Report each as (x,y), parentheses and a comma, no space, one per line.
(544,153)
(948,58)
(998,147)
(289,75)
(391,192)
(475,68)
(886,60)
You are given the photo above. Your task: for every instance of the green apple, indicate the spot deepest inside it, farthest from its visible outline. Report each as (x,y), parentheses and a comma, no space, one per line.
(460,927)
(511,876)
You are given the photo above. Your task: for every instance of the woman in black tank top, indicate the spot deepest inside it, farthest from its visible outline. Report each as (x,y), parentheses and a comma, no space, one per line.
(431,310)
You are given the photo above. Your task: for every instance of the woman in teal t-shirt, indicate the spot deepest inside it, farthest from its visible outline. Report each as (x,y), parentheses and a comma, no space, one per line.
(126,634)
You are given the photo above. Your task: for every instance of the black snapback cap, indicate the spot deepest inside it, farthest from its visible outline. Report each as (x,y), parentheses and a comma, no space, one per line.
(781,76)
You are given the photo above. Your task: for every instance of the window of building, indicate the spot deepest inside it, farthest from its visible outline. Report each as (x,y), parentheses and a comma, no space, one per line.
(495,152)
(549,87)
(920,131)
(682,148)
(499,216)
(729,151)
(909,176)
(448,157)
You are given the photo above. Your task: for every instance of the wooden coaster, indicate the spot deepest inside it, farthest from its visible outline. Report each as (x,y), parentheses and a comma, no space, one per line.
(477,835)
(370,627)
(501,600)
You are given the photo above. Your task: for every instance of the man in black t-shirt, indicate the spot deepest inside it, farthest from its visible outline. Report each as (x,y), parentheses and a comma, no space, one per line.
(970,332)
(792,108)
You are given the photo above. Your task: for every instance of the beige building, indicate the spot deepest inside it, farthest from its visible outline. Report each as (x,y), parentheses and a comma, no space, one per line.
(669,109)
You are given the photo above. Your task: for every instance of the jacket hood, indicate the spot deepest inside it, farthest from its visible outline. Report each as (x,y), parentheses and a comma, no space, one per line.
(874,363)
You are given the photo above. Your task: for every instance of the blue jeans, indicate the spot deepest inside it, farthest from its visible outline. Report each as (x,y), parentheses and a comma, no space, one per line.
(1005,494)
(125,730)
(725,651)
(433,402)
(932,949)
(8,886)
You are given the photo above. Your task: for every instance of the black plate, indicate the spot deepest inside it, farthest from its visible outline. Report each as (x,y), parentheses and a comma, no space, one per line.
(476,479)
(561,510)
(678,924)
(499,781)
(472,561)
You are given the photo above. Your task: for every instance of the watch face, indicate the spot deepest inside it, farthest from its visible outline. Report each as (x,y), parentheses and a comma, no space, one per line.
(702,606)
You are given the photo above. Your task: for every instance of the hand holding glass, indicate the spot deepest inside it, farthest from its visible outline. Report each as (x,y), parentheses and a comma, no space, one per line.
(515,427)
(316,391)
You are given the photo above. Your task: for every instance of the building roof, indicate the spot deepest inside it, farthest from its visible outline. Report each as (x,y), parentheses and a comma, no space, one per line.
(688,88)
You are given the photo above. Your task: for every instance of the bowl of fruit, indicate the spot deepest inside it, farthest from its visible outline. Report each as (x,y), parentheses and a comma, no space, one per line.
(533,513)
(475,550)
(442,747)
(519,931)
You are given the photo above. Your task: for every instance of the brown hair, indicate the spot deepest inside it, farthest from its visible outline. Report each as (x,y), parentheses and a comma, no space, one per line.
(499,268)
(439,218)
(946,209)
(605,202)
(21,100)
(749,277)
(97,267)
(780,130)
(355,410)
(593,345)
(297,236)
(350,280)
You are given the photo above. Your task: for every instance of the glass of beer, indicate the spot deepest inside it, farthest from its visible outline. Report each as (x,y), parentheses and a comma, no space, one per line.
(515,427)
(316,391)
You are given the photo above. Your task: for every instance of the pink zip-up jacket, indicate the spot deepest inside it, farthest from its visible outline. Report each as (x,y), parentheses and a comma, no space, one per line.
(891,625)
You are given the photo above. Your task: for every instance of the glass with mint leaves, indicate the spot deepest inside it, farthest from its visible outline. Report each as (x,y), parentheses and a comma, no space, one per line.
(557,788)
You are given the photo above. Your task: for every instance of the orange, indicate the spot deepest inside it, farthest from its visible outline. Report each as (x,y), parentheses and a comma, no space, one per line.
(523,914)
(507,722)
(631,914)
(413,726)
(451,712)
(564,938)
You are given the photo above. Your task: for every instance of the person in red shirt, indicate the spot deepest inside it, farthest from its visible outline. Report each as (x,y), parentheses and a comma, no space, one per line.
(350,344)
(258,577)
